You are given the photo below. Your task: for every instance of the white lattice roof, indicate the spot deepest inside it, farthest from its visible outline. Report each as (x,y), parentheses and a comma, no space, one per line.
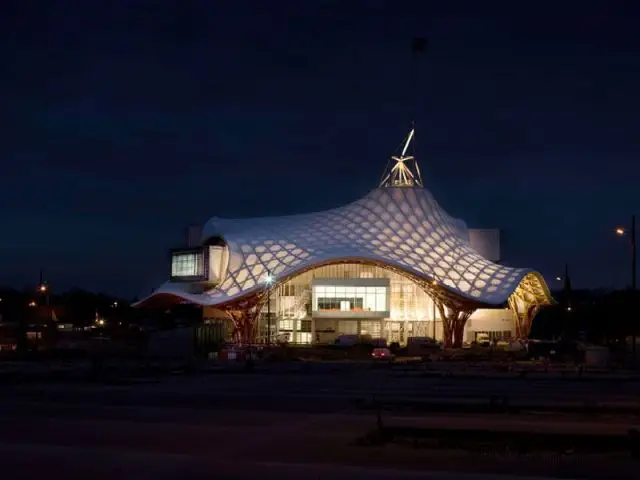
(400,227)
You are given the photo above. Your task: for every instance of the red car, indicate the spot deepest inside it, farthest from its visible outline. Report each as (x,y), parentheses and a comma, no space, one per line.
(382,354)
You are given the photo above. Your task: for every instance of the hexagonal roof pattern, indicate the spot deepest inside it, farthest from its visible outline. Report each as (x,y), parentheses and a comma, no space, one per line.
(401,227)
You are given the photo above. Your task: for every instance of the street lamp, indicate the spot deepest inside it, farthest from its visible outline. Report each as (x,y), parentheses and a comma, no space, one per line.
(269,282)
(622,232)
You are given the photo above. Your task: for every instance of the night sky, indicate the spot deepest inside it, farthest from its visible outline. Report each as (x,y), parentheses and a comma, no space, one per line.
(125,121)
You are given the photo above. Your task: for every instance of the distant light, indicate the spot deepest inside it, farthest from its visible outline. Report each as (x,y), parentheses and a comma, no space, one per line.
(620,231)
(32,303)
(115,304)
(568,309)
(559,279)
(101,322)
(269,279)
(43,288)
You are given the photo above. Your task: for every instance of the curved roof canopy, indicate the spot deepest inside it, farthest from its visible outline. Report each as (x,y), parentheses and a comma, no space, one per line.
(399,225)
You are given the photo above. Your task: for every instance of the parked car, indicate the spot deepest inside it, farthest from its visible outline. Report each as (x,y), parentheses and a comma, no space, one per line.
(382,354)
(483,340)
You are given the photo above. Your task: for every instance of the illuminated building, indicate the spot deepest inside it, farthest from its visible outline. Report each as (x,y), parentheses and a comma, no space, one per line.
(392,264)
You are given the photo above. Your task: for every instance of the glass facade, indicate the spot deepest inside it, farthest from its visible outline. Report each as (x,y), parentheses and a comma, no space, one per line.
(348,299)
(322,304)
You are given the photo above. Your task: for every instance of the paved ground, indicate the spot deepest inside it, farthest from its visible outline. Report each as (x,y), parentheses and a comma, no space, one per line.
(142,442)
(284,425)
(332,391)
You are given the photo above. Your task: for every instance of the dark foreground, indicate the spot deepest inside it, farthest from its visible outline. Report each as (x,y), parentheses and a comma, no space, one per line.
(295,425)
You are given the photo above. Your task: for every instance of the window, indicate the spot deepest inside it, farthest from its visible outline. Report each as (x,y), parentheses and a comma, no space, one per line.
(286,325)
(340,304)
(186,265)
(371,328)
(305,326)
(304,337)
(330,298)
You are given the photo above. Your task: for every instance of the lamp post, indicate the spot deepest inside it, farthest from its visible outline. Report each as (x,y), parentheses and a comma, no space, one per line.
(621,232)
(268,281)
(43,289)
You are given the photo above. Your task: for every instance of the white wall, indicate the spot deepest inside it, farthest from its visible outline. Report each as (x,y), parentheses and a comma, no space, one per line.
(489,320)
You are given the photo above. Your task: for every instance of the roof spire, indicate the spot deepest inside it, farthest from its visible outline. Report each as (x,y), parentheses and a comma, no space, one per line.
(403,171)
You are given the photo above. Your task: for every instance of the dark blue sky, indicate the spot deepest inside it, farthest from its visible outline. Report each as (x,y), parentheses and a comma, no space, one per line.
(124,121)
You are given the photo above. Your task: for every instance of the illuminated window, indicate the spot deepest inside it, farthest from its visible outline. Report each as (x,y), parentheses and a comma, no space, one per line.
(338,298)
(186,264)
(286,325)
(304,337)
(371,328)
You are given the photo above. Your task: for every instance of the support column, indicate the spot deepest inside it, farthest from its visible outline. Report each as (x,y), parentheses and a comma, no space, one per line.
(523,317)
(527,321)
(244,325)
(245,318)
(453,323)
(447,330)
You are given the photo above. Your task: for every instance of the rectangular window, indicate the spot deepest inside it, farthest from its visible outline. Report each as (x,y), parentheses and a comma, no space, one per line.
(304,337)
(371,328)
(286,325)
(340,304)
(186,265)
(305,326)
(358,299)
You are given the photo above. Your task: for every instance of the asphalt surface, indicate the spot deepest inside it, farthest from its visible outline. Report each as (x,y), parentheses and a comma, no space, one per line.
(329,392)
(290,425)
(164,442)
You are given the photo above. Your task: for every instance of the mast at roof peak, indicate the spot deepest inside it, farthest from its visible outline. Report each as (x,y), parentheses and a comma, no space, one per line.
(402,169)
